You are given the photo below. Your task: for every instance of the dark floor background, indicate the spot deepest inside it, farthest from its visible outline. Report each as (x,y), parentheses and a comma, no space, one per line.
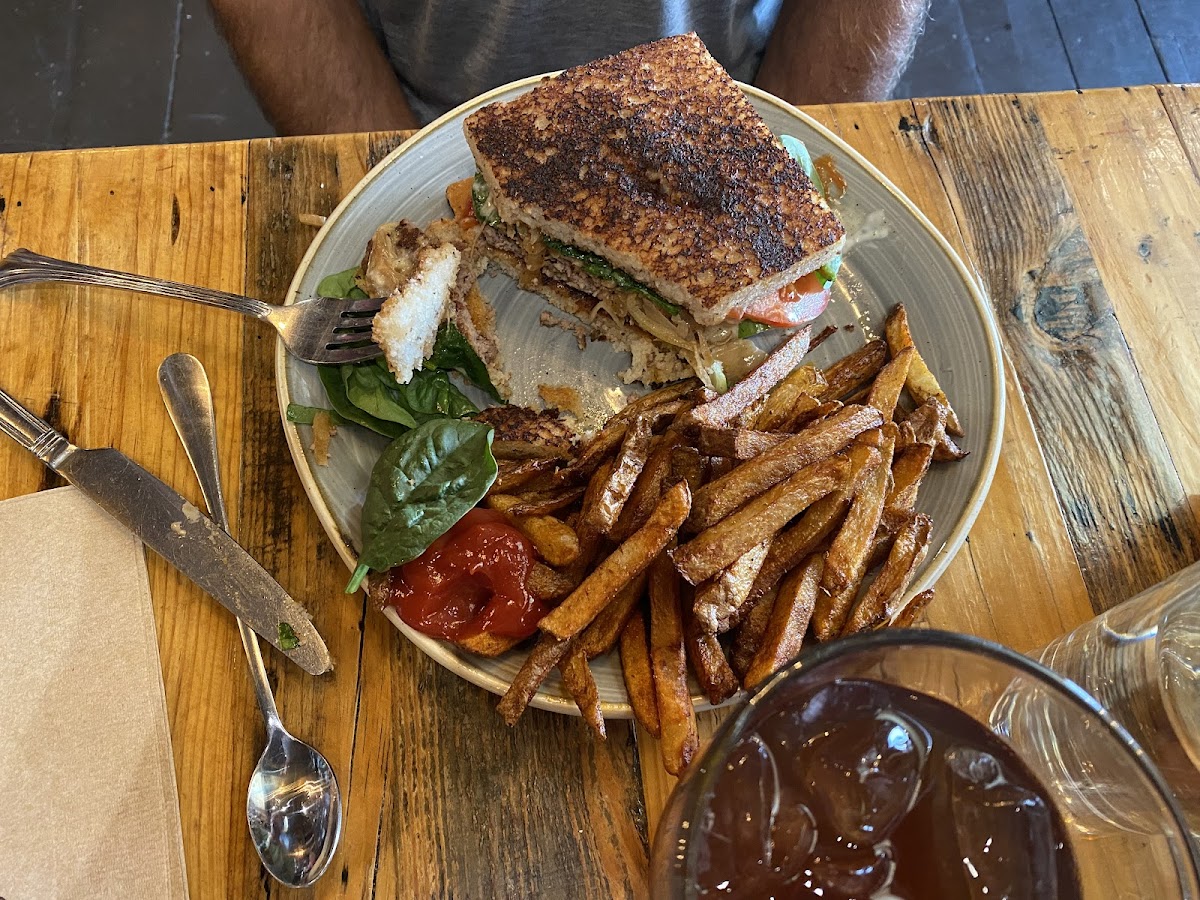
(83,74)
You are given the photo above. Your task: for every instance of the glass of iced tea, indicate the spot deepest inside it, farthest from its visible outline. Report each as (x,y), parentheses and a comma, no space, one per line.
(915,764)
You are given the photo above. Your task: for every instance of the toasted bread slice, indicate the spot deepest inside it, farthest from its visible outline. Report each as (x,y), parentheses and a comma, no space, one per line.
(655,160)
(407,323)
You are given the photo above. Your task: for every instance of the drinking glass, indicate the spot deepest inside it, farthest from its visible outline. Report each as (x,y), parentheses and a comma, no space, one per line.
(1147,851)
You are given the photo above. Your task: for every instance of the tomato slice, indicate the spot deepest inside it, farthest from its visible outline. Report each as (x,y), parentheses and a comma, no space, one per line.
(801,301)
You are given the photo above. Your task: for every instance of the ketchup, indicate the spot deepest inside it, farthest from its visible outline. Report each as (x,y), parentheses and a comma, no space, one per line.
(470,580)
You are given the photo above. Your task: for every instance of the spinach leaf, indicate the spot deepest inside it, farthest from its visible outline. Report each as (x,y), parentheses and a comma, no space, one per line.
(341,285)
(749,328)
(602,268)
(452,353)
(288,639)
(335,389)
(425,481)
(304,415)
(428,394)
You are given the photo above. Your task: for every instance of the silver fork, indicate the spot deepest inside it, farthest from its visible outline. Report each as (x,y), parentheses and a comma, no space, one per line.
(323,330)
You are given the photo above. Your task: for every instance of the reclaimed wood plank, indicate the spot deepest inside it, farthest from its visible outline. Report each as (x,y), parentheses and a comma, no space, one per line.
(1060,333)
(1138,200)
(1182,104)
(443,798)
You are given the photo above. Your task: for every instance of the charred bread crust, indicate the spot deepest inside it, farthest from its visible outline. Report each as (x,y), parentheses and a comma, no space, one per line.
(655,159)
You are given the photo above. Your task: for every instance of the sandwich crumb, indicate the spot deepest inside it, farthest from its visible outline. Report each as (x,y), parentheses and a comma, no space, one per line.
(549,320)
(562,397)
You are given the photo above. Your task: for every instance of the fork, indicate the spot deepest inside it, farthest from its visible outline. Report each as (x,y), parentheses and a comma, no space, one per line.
(323,330)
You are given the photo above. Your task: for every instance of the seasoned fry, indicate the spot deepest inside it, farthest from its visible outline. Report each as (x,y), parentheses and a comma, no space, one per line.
(908,615)
(712,550)
(635,447)
(804,381)
(639,680)
(719,498)
(486,644)
(719,599)
(737,443)
(845,562)
(688,464)
(581,685)
(854,370)
(885,391)
(555,541)
(750,634)
(676,715)
(524,451)
(547,584)
(920,381)
(880,602)
(649,486)
(543,503)
(790,615)
(514,474)
(621,566)
(602,634)
(708,660)
(542,658)
(772,370)
(909,468)
(792,544)
(929,425)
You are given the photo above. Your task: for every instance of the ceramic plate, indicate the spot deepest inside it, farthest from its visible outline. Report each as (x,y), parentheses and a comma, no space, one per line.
(901,258)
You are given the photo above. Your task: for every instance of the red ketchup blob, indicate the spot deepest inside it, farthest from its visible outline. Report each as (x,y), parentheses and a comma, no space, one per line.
(470,580)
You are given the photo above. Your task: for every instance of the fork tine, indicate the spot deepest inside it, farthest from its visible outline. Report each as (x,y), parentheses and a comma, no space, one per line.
(370,305)
(350,354)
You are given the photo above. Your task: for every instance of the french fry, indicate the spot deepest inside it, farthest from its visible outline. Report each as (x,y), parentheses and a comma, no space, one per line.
(737,443)
(854,370)
(676,715)
(908,615)
(542,503)
(489,645)
(908,469)
(718,600)
(546,584)
(845,561)
(930,425)
(514,474)
(885,391)
(604,631)
(639,679)
(630,461)
(880,602)
(803,381)
(750,634)
(920,381)
(688,464)
(791,545)
(541,659)
(708,660)
(555,541)
(621,566)
(719,498)
(712,550)
(790,615)
(772,370)
(649,486)
(577,678)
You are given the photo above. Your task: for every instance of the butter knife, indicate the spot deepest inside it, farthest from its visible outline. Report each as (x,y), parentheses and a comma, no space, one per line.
(178,532)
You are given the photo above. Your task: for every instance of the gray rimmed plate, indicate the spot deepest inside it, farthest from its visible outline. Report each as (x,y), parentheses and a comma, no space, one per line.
(900,258)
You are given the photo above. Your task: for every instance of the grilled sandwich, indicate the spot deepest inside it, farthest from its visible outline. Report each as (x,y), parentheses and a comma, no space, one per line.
(643,194)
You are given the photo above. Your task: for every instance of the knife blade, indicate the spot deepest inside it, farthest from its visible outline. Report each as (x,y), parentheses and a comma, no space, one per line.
(178,532)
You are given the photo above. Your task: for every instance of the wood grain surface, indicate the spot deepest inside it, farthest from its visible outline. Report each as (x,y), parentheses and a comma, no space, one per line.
(1080,214)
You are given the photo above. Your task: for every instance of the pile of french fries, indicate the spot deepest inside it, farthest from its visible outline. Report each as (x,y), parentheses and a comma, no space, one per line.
(719,531)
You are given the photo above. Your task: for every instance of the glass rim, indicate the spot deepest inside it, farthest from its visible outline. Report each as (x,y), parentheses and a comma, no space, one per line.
(818,655)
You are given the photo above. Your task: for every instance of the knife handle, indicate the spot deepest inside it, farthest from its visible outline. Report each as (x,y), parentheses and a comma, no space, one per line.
(34,434)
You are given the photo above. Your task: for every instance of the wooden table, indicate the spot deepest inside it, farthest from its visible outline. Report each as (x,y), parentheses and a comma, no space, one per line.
(1081,214)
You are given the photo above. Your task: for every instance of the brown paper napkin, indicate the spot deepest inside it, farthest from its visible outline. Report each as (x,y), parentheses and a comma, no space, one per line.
(90,806)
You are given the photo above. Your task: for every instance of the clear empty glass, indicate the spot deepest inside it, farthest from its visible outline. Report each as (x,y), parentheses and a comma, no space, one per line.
(737,814)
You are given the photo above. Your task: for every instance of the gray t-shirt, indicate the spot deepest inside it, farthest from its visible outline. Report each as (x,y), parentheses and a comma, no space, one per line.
(448,51)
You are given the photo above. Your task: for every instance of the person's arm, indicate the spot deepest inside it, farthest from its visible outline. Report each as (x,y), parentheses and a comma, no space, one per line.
(833,51)
(314,65)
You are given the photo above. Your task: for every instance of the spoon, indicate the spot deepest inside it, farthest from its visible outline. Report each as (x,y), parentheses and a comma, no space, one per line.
(293,807)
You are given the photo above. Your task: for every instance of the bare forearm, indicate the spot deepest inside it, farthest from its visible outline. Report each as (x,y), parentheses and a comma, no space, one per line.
(823,51)
(314,65)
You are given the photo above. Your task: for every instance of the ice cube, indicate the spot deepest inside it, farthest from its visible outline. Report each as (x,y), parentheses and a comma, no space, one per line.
(863,873)
(1004,833)
(864,775)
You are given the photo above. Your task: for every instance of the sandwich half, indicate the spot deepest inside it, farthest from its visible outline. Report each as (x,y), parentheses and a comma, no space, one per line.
(643,194)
